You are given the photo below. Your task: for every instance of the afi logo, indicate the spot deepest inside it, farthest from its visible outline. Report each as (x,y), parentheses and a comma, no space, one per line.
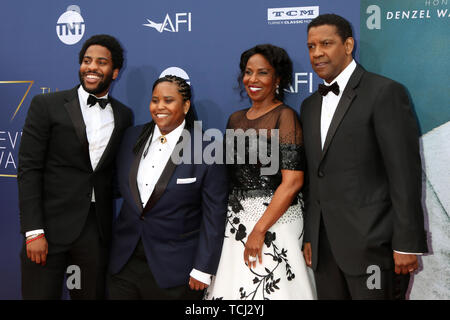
(301,78)
(170,25)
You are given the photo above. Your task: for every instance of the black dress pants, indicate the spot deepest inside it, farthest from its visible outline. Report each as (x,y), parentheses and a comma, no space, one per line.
(87,258)
(136,282)
(333,284)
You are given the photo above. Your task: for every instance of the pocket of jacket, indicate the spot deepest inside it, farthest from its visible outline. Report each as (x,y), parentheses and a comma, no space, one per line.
(186,180)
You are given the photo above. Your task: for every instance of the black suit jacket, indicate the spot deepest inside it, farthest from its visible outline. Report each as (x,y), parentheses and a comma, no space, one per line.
(55,176)
(366,182)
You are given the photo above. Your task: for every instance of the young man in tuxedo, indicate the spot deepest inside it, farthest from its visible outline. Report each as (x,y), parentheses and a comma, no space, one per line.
(364,222)
(65,174)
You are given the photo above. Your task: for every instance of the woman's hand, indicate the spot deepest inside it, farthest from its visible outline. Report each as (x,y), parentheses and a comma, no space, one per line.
(253,247)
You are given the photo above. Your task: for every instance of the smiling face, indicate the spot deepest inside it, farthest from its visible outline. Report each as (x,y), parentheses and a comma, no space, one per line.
(167,106)
(329,54)
(96,70)
(260,80)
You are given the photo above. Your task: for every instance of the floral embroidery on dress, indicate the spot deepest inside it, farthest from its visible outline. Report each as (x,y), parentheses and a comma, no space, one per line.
(265,282)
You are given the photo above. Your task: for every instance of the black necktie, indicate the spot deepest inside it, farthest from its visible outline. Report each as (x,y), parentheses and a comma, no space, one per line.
(324,89)
(92,100)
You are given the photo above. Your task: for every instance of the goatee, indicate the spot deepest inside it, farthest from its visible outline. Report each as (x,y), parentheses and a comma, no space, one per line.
(101,87)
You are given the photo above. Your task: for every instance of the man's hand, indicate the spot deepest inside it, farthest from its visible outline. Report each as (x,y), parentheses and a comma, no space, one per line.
(307,253)
(194,284)
(405,263)
(37,251)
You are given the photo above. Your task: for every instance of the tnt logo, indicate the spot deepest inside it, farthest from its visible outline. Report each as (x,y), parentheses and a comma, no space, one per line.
(70,26)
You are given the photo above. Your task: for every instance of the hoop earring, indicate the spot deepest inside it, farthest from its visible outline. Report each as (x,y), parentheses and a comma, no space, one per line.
(277,91)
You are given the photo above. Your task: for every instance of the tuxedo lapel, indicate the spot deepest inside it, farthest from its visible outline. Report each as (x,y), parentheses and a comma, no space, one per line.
(344,104)
(316,112)
(160,186)
(117,124)
(133,176)
(163,180)
(72,106)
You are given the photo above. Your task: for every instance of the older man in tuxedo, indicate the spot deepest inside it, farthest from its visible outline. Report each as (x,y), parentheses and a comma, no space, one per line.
(66,162)
(364,220)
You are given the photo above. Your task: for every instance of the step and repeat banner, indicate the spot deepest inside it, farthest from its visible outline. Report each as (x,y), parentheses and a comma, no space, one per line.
(202,41)
(409,41)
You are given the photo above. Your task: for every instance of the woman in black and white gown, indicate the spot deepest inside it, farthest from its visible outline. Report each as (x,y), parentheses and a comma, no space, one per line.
(261,256)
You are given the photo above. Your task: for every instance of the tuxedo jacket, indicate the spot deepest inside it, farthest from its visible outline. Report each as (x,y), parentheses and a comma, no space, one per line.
(181,226)
(55,176)
(366,181)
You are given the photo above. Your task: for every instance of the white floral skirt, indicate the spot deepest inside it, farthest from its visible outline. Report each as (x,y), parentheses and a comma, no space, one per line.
(283,274)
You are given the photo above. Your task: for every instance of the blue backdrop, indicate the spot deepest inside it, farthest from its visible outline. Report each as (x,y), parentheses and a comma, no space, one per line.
(203,38)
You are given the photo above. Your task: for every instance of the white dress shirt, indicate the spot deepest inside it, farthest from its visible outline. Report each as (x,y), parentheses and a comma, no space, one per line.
(99,127)
(154,161)
(330,103)
(150,169)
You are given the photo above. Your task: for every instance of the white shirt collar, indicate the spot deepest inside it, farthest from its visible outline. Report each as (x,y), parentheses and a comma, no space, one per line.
(84,95)
(344,76)
(172,137)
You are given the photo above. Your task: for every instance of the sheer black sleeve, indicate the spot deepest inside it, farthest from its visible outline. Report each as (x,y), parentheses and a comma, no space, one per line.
(291,141)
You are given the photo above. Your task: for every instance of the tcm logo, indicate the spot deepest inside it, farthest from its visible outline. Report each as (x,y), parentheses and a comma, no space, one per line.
(175,71)
(182,20)
(292,14)
(70,27)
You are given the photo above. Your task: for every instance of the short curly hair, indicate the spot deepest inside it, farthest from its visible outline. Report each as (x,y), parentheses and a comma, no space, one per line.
(110,43)
(343,27)
(277,57)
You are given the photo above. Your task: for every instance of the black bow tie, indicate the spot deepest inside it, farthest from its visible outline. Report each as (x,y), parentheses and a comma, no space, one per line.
(92,100)
(324,89)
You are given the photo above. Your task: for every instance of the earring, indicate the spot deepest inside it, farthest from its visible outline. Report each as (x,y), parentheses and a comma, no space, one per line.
(277,91)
